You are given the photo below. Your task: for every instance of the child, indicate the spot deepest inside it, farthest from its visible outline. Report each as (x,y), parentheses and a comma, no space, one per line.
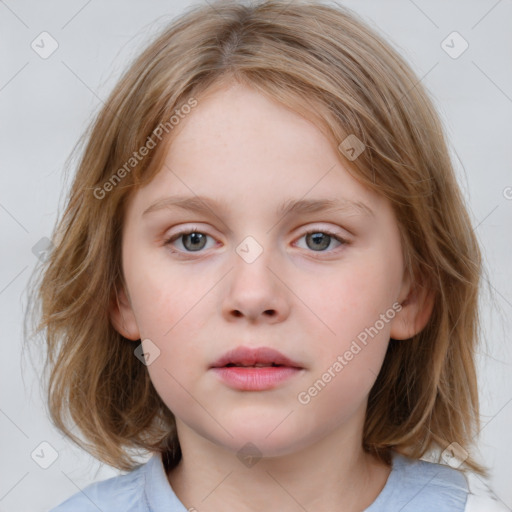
(259,371)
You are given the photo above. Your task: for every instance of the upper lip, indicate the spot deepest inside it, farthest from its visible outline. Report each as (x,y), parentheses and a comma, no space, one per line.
(250,356)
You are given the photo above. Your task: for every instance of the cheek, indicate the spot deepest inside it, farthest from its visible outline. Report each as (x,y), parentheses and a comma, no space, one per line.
(351,298)
(172,379)
(355,309)
(374,282)
(165,296)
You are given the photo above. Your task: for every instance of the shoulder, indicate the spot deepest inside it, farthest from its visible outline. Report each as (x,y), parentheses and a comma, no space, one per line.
(419,485)
(124,492)
(432,485)
(481,498)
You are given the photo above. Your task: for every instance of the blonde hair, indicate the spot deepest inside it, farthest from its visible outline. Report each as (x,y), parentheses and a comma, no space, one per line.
(329,66)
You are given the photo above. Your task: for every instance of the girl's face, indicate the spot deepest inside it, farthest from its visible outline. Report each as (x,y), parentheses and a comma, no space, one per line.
(252,277)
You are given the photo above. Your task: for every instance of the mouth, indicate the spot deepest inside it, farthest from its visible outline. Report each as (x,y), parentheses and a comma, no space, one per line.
(257,365)
(262,357)
(261,369)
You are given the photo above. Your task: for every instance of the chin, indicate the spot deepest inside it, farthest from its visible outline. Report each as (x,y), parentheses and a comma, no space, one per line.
(256,441)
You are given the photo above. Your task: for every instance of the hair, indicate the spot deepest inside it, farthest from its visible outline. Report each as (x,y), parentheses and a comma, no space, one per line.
(329,66)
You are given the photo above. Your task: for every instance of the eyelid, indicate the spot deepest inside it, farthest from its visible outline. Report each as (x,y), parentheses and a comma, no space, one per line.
(337,230)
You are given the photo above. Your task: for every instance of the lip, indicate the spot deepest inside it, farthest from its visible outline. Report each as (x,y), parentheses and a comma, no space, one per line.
(251,356)
(251,378)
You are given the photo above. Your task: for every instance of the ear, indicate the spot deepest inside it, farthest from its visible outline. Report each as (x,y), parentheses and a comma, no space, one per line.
(122,316)
(417,301)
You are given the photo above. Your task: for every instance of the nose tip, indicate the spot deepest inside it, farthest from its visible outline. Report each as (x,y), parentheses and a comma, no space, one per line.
(255,292)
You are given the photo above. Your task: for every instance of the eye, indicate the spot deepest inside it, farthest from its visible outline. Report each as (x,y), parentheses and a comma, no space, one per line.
(318,240)
(192,240)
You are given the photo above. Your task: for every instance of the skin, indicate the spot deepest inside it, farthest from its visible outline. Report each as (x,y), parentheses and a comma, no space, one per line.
(307,302)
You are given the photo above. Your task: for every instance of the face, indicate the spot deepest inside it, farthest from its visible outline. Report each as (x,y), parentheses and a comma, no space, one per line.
(251,276)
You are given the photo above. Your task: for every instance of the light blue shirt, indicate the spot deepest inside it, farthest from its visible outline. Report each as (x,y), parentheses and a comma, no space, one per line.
(412,486)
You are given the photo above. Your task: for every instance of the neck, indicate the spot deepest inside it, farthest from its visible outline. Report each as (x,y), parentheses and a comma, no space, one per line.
(211,477)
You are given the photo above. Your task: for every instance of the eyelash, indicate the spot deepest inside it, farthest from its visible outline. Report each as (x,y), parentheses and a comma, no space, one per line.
(177,236)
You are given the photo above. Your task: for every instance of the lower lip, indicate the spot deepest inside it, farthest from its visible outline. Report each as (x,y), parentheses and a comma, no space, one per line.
(255,379)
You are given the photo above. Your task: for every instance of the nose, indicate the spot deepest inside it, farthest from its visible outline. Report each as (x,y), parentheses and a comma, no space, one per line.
(256,291)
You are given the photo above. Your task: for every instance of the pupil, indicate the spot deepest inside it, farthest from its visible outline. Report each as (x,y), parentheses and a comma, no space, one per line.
(195,237)
(317,238)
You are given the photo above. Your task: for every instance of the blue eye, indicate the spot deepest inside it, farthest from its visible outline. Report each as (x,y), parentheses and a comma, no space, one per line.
(194,241)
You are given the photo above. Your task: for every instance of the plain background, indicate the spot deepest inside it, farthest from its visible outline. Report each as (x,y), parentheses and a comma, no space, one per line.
(45,104)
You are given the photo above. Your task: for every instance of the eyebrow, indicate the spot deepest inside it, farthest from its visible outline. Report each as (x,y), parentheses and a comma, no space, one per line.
(202,204)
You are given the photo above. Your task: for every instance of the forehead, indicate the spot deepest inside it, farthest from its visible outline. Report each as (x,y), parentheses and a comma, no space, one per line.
(245,149)
(237,118)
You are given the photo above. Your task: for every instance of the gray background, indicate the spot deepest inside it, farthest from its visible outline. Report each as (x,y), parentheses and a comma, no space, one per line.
(45,104)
